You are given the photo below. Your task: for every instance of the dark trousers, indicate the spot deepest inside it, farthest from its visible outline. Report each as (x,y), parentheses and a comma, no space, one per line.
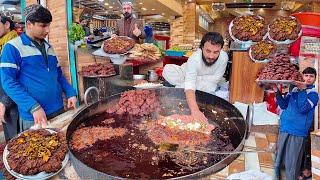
(11,127)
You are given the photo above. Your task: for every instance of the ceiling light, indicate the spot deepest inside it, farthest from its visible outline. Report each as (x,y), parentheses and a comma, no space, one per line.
(140,3)
(110,7)
(107,4)
(144,9)
(235,1)
(153,9)
(100,0)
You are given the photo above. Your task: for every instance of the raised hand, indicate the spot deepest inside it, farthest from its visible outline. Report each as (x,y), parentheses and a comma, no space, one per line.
(136,31)
(300,85)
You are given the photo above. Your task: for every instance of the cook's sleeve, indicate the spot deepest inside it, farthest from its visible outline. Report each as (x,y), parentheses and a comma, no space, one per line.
(307,101)
(116,31)
(192,69)
(283,101)
(141,28)
(10,66)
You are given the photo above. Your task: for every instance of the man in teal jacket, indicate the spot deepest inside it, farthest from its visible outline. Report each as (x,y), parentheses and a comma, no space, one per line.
(31,74)
(298,105)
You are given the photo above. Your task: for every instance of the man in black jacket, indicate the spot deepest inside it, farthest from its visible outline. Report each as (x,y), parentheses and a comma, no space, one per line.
(9,114)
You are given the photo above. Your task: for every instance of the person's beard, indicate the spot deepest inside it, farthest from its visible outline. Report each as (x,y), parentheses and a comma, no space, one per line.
(127,15)
(208,63)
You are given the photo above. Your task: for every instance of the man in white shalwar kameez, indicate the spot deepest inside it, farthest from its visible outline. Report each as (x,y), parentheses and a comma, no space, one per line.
(203,70)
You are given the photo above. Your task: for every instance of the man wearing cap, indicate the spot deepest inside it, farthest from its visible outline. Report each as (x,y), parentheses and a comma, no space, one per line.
(129,26)
(8,109)
(31,74)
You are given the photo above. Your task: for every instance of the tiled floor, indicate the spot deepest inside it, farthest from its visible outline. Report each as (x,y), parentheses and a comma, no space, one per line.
(259,161)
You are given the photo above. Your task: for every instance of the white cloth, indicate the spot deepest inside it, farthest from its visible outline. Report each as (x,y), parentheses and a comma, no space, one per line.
(250,174)
(222,94)
(261,115)
(195,75)
(242,107)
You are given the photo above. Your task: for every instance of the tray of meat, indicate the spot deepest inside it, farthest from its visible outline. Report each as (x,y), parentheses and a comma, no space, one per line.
(248,29)
(118,45)
(279,70)
(270,81)
(97,70)
(262,51)
(99,76)
(284,30)
(36,154)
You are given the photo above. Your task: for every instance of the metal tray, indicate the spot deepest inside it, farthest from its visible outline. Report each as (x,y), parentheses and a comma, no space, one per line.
(255,60)
(149,86)
(39,176)
(275,81)
(97,76)
(287,41)
(117,55)
(244,42)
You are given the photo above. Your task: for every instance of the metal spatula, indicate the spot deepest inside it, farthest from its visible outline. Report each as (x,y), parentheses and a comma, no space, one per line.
(175,147)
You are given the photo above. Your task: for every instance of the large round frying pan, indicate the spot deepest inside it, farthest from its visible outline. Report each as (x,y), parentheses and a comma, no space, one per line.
(232,122)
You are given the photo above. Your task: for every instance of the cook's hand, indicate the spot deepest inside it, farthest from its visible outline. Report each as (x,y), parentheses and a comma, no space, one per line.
(2,112)
(72,102)
(136,31)
(199,116)
(113,35)
(40,118)
(300,85)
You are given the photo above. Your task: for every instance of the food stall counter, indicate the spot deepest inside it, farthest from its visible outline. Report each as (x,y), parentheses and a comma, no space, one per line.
(141,67)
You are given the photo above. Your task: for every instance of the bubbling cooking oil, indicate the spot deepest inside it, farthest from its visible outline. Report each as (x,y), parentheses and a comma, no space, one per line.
(135,156)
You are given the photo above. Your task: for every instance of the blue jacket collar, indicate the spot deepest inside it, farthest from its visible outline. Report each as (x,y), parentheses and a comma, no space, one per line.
(26,41)
(311,86)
